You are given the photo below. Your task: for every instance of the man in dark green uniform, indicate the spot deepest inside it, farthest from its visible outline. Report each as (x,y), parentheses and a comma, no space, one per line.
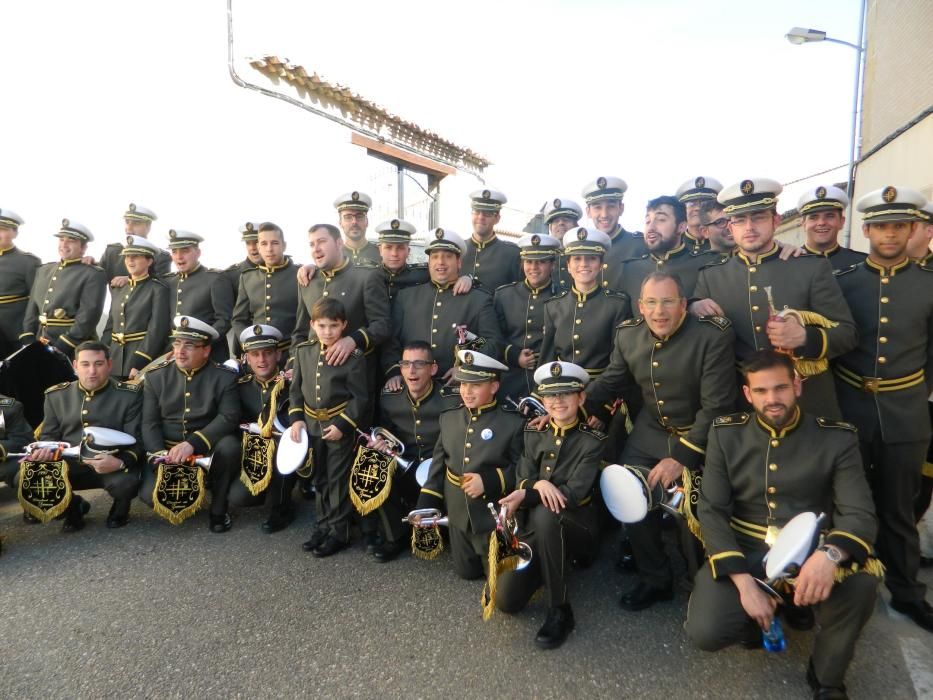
(268,293)
(67,297)
(520,310)
(197,291)
(191,409)
(579,323)
(823,214)
(884,382)
(137,222)
(412,414)
(668,250)
(604,207)
(432,312)
(394,247)
(685,369)
(692,194)
(473,462)
(555,478)
(561,215)
(249,234)
(139,323)
(95,399)
(714,226)
(488,259)
(17,273)
(762,469)
(263,393)
(353,219)
(794,305)
(15,434)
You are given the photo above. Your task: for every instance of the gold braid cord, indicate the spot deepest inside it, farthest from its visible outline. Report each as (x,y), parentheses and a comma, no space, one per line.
(178,492)
(497,566)
(44,489)
(805,367)
(426,542)
(265,426)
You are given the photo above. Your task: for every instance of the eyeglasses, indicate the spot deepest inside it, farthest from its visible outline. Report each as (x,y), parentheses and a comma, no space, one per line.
(187,345)
(718,223)
(417,364)
(652,304)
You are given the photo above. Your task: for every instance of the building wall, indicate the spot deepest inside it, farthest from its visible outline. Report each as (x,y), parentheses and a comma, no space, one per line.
(898,66)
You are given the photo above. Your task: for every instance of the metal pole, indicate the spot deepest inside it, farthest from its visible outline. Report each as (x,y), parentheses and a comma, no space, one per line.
(401,192)
(853,155)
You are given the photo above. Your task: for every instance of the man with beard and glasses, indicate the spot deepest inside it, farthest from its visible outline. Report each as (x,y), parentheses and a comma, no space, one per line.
(353,220)
(884,382)
(714,227)
(692,194)
(793,305)
(823,214)
(762,469)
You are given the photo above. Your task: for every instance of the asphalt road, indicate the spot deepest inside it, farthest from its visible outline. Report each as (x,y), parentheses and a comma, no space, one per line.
(154,610)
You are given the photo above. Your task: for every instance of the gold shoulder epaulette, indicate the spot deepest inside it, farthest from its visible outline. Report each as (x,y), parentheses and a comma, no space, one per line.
(845,270)
(57,387)
(829,423)
(614,293)
(127,386)
(721,322)
(387,391)
(598,434)
(631,322)
(163,364)
(506,285)
(245,379)
(6,401)
(731,419)
(559,295)
(719,261)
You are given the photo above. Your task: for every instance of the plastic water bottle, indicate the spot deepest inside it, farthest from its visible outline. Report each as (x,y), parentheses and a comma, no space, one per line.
(773,638)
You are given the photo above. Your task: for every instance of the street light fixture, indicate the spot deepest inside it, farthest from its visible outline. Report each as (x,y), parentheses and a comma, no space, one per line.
(800,35)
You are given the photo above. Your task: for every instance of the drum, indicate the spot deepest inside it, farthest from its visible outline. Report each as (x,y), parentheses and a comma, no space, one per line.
(28,372)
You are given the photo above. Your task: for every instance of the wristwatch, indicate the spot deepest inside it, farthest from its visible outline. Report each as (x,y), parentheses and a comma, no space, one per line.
(832,553)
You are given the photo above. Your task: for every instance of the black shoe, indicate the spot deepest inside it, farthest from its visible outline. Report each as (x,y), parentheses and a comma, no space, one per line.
(558,624)
(306,488)
(824,692)
(317,539)
(118,516)
(29,518)
(800,619)
(926,562)
(221,523)
(74,515)
(372,540)
(329,547)
(919,611)
(278,520)
(644,596)
(387,551)
(626,563)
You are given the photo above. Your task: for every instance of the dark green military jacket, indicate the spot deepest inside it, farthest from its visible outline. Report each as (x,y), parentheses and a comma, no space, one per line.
(233,273)
(198,406)
(138,325)
(485,441)
(409,275)
(415,422)
(686,380)
(323,394)
(114,265)
(368,255)
(17,273)
(805,284)
(625,246)
(579,328)
(492,263)
(568,457)
(883,384)
(255,395)
(430,313)
(696,246)
(520,310)
(680,261)
(268,295)
(840,258)
(65,305)
(69,408)
(363,293)
(756,477)
(206,295)
(16,433)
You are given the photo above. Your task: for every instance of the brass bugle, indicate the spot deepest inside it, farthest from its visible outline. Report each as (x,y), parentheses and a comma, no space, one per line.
(396,446)
(64,448)
(508,528)
(203,462)
(425,517)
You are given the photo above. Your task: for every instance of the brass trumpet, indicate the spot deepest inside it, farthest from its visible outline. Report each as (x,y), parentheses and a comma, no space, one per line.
(396,447)
(528,406)
(203,462)
(425,517)
(507,532)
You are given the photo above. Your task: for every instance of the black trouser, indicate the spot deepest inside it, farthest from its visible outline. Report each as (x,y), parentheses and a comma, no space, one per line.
(554,539)
(894,473)
(716,619)
(9,468)
(469,552)
(922,502)
(224,469)
(331,478)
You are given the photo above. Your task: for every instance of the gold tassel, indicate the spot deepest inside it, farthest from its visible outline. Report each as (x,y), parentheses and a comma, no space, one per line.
(257,487)
(691,494)
(426,542)
(265,429)
(179,517)
(44,516)
(497,567)
(807,367)
(872,567)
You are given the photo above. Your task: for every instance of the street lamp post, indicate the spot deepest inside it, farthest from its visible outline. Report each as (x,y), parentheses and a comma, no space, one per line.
(799,35)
